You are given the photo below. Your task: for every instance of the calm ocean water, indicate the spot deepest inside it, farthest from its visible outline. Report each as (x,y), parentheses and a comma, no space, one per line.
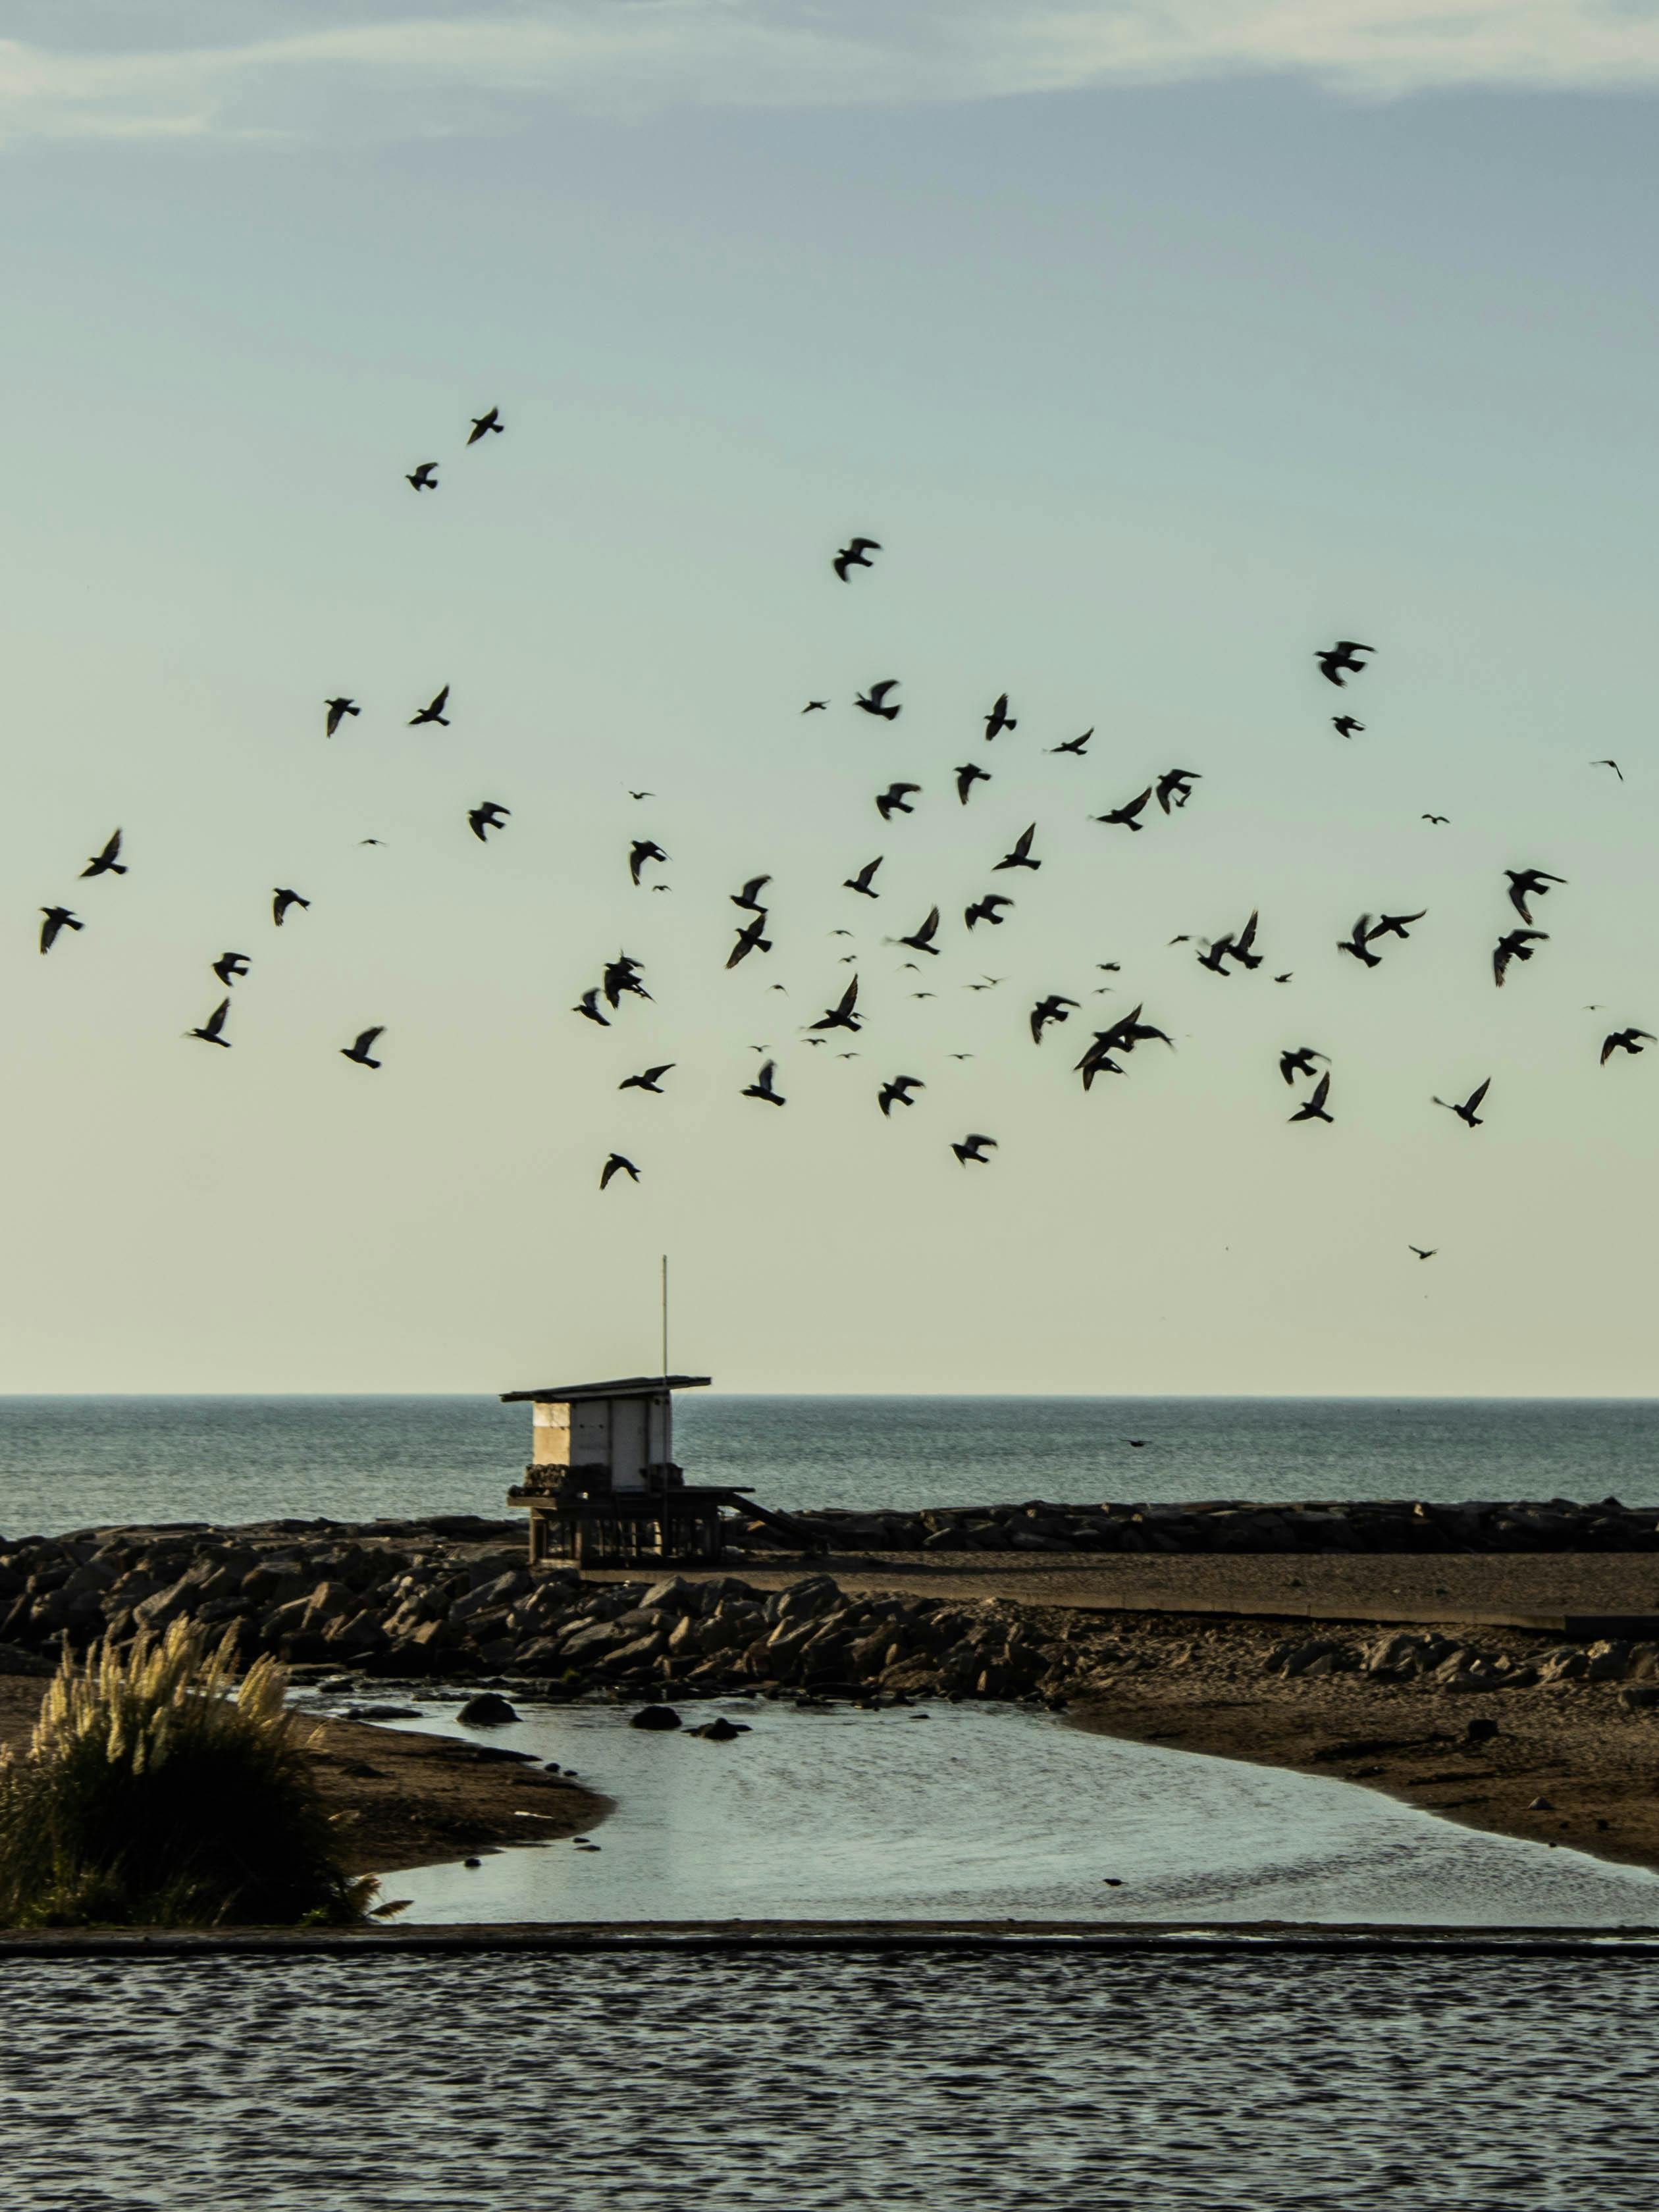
(70,1463)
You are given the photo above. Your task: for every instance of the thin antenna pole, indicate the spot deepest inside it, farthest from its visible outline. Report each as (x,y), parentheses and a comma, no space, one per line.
(665,1317)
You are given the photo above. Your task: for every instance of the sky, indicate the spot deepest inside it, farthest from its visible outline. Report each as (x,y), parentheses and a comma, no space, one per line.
(1158,346)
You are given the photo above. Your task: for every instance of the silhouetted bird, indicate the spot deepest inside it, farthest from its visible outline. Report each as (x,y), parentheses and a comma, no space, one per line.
(999,719)
(641,794)
(106,863)
(1467,1113)
(865,878)
(1078,745)
(488,814)
(1098,1060)
(1299,1062)
(639,852)
(651,1080)
(967,776)
(1129,1031)
(897,1093)
(855,555)
(840,1016)
(1420,1252)
(1613,765)
(229,966)
(750,940)
(974,1149)
(434,712)
(1240,948)
(210,1029)
(1340,658)
(1515,944)
(1435,817)
(891,800)
(1126,817)
(1345,726)
(815,706)
(58,918)
(1021,855)
(1174,787)
(485,423)
(922,940)
(1395,925)
(359,1051)
(874,701)
(1358,942)
(1529,883)
(616,1165)
(281,901)
(589,1005)
(1214,955)
(763,1085)
(1312,1108)
(425,477)
(1051,1009)
(749,898)
(621,975)
(338,711)
(1626,1040)
(986,909)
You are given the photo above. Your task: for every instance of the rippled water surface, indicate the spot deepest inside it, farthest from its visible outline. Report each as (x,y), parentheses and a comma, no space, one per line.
(69,1462)
(800,2083)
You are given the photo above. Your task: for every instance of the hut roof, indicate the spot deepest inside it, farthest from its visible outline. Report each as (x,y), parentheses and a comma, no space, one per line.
(630,1385)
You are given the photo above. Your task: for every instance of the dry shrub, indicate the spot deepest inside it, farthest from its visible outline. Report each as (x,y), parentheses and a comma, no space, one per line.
(158,1791)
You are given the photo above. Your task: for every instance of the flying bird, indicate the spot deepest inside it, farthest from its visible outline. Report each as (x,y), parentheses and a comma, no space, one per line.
(967,776)
(1395,925)
(1098,1060)
(865,876)
(1212,955)
(1529,883)
(639,852)
(840,1016)
(1613,765)
(748,896)
(621,975)
(1435,818)
(1239,948)
(1021,855)
(891,800)
(485,423)
(974,1149)
(1174,787)
(750,940)
(1626,1040)
(1312,1108)
(986,909)
(651,1080)
(641,794)
(211,1029)
(815,706)
(1340,659)
(1126,815)
(616,1165)
(922,939)
(1358,942)
(1051,1009)
(281,901)
(1467,1112)
(488,814)
(855,555)
(1129,1031)
(762,1086)
(106,863)
(1077,745)
(1514,944)
(425,477)
(1345,726)
(874,701)
(362,1046)
(1299,1062)
(229,966)
(589,1005)
(1420,1252)
(434,712)
(897,1092)
(999,719)
(338,711)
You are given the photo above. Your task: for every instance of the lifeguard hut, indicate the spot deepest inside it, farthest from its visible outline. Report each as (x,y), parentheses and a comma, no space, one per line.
(602,1487)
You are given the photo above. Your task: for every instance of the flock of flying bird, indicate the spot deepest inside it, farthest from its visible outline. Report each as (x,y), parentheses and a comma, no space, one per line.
(622,977)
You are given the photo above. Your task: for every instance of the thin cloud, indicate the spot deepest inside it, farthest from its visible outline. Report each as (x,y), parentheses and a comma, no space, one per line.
(416,75)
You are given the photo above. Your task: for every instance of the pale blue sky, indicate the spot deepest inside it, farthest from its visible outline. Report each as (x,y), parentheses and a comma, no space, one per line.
(1157,346)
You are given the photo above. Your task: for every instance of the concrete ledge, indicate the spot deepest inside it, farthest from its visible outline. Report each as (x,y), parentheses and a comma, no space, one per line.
(565,1938)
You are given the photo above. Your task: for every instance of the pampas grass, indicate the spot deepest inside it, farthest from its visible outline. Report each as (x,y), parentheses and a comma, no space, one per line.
(159,1791)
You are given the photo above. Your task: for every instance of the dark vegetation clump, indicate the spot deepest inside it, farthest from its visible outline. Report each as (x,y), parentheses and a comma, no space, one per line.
(158,1791)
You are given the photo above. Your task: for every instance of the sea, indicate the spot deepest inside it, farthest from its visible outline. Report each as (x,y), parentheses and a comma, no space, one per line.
(70,1462)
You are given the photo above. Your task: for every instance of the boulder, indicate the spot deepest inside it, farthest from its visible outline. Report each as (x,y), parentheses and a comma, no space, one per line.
(720,1730)
(488,1709)
(656,1717)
